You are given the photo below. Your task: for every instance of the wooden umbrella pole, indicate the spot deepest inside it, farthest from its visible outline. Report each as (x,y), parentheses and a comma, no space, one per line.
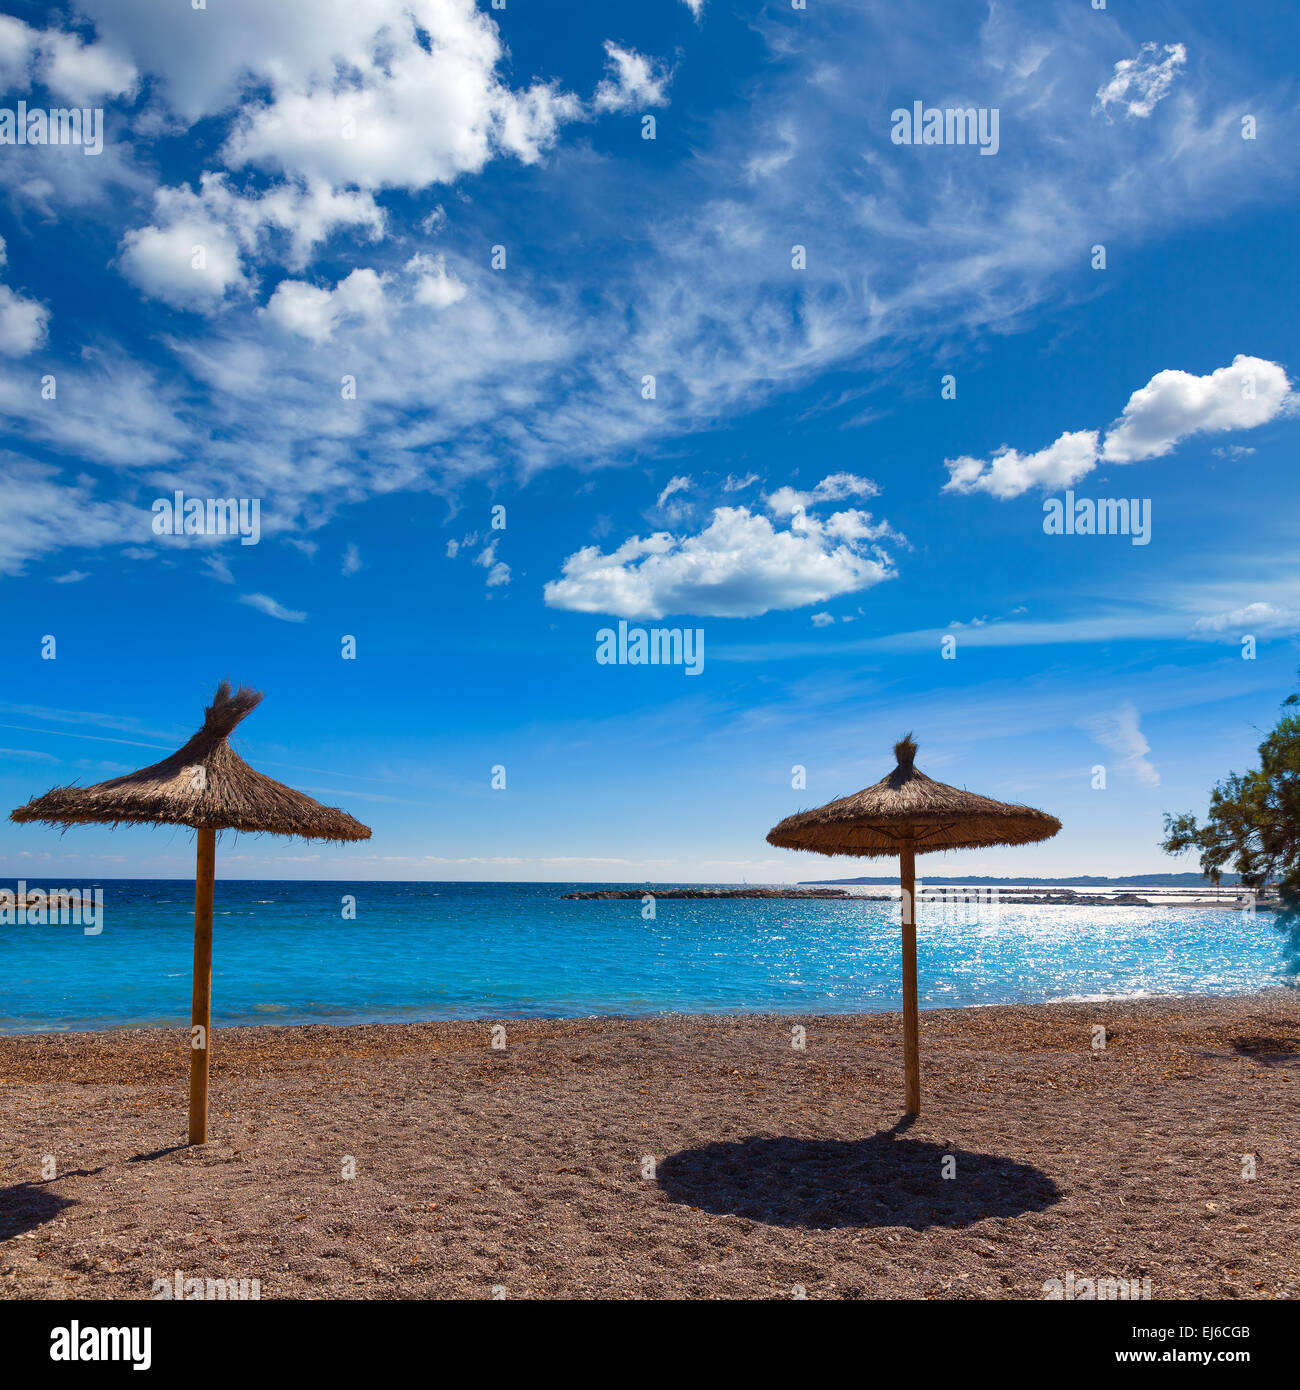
(201,1014)
(911,1039)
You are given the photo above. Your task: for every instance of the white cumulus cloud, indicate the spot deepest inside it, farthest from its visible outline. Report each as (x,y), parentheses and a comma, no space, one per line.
(24,323)
(73,70)
(314,313)
(385,94)
(407,96)
(1174,404)
(192,255)
(1139,83)
(434,286)
(1170,407)
(835,487)
(739,566)
(634,83)
(1009,472)
(190,263)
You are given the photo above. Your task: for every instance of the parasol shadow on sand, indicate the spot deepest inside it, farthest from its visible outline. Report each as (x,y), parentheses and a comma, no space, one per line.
(905,814)
(207,786)
(829,1184)
(28,1205)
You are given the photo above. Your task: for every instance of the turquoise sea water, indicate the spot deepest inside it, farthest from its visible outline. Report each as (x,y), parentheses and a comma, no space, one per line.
(283,953)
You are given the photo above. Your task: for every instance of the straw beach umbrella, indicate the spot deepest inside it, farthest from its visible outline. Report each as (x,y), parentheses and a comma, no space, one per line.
(207,786)
(905,814)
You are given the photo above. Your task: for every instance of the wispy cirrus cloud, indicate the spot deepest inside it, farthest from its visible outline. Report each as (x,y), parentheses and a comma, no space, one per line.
(1120,731)
(32,493)
(264,603)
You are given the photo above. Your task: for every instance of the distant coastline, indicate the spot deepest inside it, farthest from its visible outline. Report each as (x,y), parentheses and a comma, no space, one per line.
(945,890)
(1060,881)
(611,893)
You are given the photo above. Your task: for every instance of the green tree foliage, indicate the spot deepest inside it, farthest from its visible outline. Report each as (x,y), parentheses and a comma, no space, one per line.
(1253,826)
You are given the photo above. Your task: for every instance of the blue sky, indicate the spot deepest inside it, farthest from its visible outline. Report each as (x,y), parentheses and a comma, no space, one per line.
(800,487)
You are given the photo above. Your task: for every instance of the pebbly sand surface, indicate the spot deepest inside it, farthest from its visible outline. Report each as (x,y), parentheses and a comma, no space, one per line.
(680,1157)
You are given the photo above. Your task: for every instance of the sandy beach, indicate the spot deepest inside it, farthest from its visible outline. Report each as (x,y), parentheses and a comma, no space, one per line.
(679,1157)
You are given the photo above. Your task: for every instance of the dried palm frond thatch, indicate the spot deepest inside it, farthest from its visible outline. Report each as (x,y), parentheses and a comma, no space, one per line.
(908,805)
(205,784)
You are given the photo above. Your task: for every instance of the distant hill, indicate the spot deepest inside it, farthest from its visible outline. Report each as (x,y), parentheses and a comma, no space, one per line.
(1092,880)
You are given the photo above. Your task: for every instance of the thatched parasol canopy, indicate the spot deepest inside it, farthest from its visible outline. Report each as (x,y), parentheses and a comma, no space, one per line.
(205,784)
(908,805)
(905,814)
(208,786)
